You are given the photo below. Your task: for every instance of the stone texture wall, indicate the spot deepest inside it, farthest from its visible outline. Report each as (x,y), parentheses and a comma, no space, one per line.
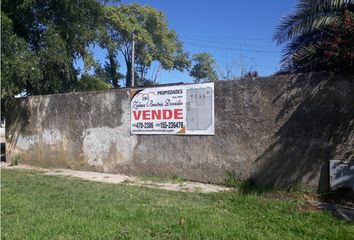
(278,130)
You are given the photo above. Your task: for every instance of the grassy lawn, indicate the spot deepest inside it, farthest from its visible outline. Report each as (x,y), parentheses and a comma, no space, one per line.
(35,206)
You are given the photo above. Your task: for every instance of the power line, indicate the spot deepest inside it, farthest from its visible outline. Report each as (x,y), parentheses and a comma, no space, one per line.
(222,42)
(224,37)
(237,66)
(232,49)
(254,66)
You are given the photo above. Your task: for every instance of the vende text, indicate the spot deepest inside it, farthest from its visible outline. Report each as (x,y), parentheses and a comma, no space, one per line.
(164,114)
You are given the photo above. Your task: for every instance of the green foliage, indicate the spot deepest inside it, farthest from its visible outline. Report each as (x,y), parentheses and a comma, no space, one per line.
(319,36)
(154,40)
(204,68)
(92,83)
(109,73)
(41,41)
(231,180)
(19,65)
(150,83)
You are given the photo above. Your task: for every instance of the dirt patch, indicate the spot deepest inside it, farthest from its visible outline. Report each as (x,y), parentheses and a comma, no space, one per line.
(185,186)
(309,207)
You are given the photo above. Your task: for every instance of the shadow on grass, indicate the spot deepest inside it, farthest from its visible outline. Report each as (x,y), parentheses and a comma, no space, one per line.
(343,197)
(250,187)
(339,204)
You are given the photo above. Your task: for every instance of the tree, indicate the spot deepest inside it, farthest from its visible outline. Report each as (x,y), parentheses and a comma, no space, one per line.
(154,40)
(19,66)
(204,68)
(319,36)
(92,83)
(48,36)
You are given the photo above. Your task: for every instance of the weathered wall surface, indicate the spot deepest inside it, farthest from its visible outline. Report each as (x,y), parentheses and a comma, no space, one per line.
(279,130)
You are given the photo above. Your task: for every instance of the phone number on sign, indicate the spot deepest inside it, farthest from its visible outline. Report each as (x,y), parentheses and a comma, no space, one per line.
(144,125)
(171,125)
(163,125)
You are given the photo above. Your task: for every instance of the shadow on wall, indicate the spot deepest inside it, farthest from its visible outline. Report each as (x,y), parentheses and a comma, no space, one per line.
(3,150)
(19,115)
(316,124)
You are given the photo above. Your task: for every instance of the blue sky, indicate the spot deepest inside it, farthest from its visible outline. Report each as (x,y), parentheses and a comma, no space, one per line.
(228,29)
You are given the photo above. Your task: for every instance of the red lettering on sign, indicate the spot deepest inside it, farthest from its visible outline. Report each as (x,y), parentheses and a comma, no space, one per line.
(167,114)
(164,114)
(178,113)
(146,115)
(137,115)
(156,114)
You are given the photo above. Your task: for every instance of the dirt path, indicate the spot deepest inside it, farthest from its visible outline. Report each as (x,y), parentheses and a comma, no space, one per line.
(184,186)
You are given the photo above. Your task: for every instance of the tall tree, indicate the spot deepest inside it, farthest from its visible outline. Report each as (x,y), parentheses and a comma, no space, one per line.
(203,68)
(154,40)
(52,34)
(319,36)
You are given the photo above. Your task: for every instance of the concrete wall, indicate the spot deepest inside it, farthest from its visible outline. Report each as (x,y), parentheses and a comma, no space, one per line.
(2,144)
(279,130)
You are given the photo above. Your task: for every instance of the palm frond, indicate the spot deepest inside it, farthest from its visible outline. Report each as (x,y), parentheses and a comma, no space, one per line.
(309,15)
(304,31)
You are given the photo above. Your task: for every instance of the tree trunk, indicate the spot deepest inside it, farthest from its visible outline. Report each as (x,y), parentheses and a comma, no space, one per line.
(113,71)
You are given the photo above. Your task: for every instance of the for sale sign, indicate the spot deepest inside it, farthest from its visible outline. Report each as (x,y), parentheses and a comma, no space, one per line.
(182,109)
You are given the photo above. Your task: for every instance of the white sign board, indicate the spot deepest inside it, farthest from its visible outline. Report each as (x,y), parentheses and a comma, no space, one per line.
(183,109)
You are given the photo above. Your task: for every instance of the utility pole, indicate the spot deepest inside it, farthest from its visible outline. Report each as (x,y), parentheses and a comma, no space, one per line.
(133,59)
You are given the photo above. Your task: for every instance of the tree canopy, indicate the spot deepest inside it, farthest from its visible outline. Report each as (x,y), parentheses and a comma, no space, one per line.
(203,68)
(42,40)
(319,36)
(154,40)
(20,67)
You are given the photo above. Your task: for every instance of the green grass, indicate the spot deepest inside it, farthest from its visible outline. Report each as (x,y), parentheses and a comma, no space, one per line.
(35,206)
